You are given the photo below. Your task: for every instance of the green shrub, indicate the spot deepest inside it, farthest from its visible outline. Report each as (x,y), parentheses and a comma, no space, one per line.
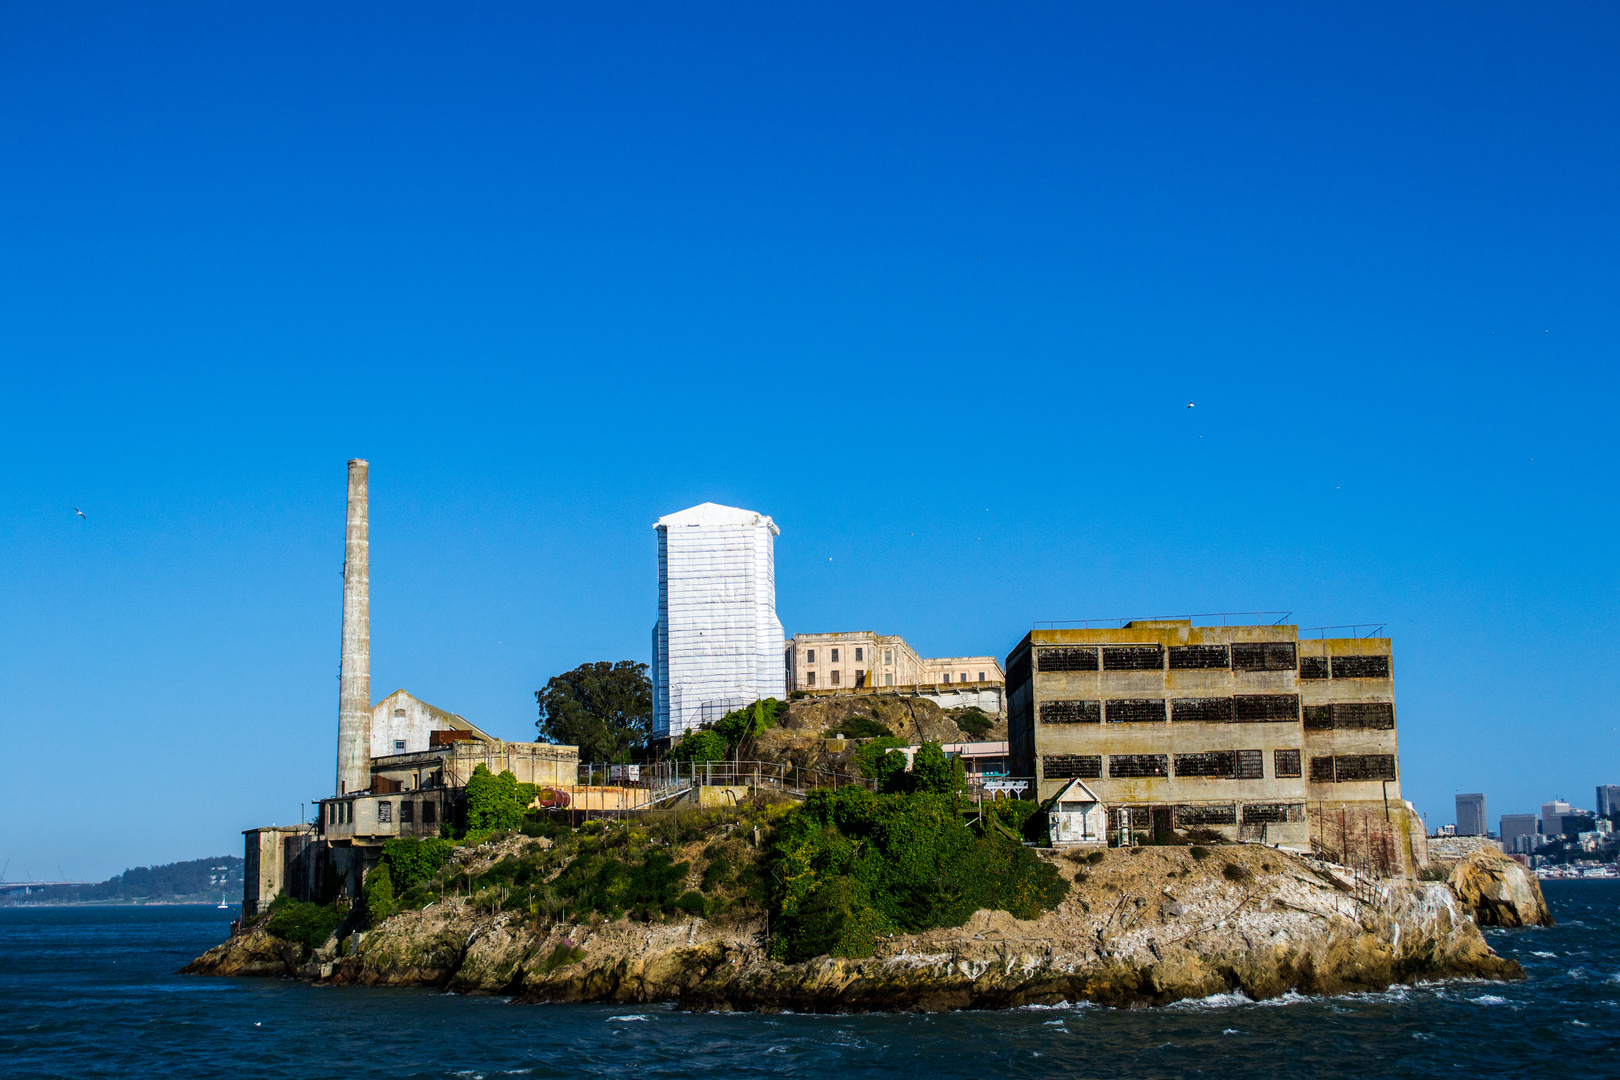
(307,924)
(411,860)
(1199,852)
(861,727)
(935,772)
(379,894)
(691,902)
(495,803)
(705,744)
(717,873)
(974,722)
(1095,857)
(1234,872)
(881,760)
(596,881)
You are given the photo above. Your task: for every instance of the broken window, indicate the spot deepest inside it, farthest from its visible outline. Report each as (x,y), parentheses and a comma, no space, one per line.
(1190,817)
(1379,716)
(1066,659)
(1321,770)
(1318,717)
(1313,667)
(1266,708)
(1198,657)
(385,811)
(430,811)
(1361,667)
(1210,710)
(1138,765)
(1071,712)
(1285,764)
(1136,711)
(860,676)
(1351,767)
(407,812)
(1263,656)
(1132,658)
(1071,766)
(1217,763)
(1272,813)
(1251,765)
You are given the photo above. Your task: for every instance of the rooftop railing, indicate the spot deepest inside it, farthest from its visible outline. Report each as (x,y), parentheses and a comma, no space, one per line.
(1227,618)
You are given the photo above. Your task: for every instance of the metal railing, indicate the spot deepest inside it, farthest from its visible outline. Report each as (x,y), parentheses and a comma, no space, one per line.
(1354,628)
(1228,618)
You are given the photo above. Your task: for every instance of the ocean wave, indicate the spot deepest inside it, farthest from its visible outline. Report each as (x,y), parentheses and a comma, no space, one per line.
(628,1018)
(1230,999)
(1489,999)
(1545,955)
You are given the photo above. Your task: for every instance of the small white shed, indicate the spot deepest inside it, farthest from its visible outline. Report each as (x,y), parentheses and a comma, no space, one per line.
(1076,817)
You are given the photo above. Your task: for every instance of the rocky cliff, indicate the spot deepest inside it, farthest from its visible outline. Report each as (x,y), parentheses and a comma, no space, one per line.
(1140,926)
(1498,891)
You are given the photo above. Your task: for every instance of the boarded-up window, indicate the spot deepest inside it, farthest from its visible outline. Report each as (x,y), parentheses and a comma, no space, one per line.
(1352,767)
(1272,813)
(1285,764)
(1071,712)
(1066,659)
(1135,711)
(1218,763)
(1318,717)
(1313,667)
(1251,765)
(1266,708)
(1132,658)
(407,812)
(1321,770)
(1263,656)
(1214,710)
(385,811)
(1379,716)
(1188,817)
(1361,667)
(1071,766)
(1198,657)
(1138,765)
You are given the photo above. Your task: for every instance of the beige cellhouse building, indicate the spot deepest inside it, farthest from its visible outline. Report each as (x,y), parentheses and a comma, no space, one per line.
(1248,731)
(863,659)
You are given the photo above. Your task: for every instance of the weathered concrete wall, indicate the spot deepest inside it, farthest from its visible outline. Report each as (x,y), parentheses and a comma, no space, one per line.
(402,718)
(354,686)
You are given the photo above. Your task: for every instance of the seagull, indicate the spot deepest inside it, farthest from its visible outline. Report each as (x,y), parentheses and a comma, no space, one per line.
(1189,404)
(81,513)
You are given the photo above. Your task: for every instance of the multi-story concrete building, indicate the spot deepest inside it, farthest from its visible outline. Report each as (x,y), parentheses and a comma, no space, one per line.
(1552,814)
(717,644)
(1239,729)
(1519,834)
(1608,800)
(1471,815)
(864,662)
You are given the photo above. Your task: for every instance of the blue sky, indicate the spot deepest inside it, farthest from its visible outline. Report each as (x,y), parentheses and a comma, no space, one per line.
(930,284)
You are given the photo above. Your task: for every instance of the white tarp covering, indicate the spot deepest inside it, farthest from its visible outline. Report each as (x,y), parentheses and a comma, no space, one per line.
(717,644)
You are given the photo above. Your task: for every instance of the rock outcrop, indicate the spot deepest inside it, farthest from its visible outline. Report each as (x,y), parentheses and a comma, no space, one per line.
(1498,891)
(1139,927)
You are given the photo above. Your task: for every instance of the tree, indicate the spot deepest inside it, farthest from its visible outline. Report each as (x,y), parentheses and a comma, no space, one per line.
(603,708)
(935,771)
(379,894)
(496,802)
(705,744)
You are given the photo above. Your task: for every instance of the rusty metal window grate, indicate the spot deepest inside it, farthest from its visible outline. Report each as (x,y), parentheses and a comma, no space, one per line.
(1318,717)
(1071,766)
(1215,710)
(1075,659)
(1263,656)
(1071,712)
(1377,716)
(1285,764)
(1125,766)
(1321,770)
(1132,658)
(1199,657)
(1361,667)
(1348,768)
(1188,817)
(1251,765)
(1135,711)
(1266,708)
(1216,763)
(1272,813)
(1313,667)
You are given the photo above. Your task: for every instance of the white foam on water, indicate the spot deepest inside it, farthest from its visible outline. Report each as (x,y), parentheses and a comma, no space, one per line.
(1546,955)
(1489,999)
(628,1018)
(1050,1023)
(1233,1031)
(1228,1000)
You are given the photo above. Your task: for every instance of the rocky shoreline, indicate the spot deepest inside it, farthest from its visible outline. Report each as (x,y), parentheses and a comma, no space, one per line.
(1144,926)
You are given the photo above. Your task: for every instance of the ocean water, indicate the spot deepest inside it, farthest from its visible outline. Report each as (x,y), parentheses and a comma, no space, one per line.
(92,992)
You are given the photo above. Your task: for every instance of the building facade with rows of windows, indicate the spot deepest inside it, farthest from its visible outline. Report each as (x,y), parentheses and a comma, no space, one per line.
(1247,731)
(864,660)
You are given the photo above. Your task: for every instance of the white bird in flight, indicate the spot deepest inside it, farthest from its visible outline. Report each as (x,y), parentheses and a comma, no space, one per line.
(81,513)
(1189,404)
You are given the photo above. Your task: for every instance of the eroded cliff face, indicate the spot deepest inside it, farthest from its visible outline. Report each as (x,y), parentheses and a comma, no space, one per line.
(1499,891)
(1148,926)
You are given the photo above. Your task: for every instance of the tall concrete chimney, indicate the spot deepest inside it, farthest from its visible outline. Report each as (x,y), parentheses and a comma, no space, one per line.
(354,684)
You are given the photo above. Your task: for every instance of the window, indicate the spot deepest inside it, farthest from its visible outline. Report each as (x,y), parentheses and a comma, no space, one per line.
(1191,817)
(835,656)
(981,676)
(1361,667)
(1135,711)
(1133,658)
(1313,667)
(1321,770)
(858,652)
(1138,765)
(1214,763)
(399,712)
(1071,712)
(809,678)
(946,677)
(407,812)
(1272,813)
(888,656)
(1071,766)
(1263,656)
(331,813)
(888,680)
(1266,708)
(385,811)
(1376,715)
(1198,657)
(1351,767)
(1285,764)
(430,811)
(399,746)
(1066,659)
(809,656)
(835,672)
(1251,765)
(860,676)
(962,677)
(1217,710)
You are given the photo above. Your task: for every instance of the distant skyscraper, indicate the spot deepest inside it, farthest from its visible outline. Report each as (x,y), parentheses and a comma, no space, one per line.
(1608,799)
(1471,815)
(717,644)
(1519,833)
(1552,816)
